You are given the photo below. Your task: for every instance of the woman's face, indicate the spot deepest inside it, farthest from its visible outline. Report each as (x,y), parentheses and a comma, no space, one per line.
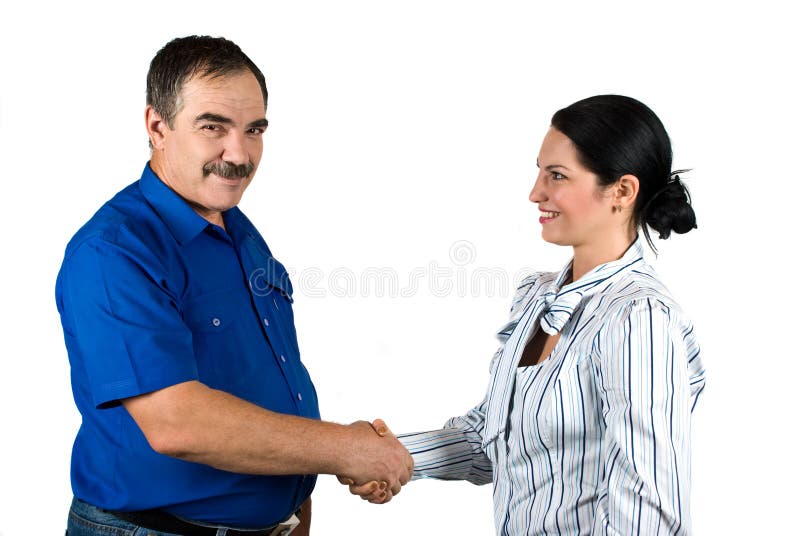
(574,210)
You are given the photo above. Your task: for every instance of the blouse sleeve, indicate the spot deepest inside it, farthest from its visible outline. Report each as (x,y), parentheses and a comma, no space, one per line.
(454,452)
(648,375)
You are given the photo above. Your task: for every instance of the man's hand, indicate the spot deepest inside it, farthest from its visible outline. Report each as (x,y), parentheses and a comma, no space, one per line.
(181,421)
(380,491)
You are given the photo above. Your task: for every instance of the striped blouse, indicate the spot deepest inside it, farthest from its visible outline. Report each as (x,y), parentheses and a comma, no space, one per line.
(594,439)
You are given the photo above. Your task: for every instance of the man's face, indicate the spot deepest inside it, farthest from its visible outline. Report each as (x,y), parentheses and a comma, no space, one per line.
(213,149)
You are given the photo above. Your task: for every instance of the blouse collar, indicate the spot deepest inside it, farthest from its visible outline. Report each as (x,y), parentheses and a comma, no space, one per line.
(561,301)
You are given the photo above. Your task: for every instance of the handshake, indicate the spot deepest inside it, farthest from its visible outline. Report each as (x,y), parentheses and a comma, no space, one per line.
(379,465)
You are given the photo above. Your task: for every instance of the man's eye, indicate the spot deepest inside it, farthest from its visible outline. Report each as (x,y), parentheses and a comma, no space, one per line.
(256,130)
(211,128)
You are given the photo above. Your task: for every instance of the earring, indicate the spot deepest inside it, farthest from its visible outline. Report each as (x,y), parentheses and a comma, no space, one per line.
(617,208)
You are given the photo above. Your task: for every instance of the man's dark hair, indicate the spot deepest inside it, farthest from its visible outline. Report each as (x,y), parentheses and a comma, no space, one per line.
(185,57)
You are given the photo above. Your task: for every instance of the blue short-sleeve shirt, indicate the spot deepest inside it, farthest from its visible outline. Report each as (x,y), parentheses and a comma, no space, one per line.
(152,295)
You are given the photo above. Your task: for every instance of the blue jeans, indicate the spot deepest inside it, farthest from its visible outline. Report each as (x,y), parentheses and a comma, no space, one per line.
(87,520)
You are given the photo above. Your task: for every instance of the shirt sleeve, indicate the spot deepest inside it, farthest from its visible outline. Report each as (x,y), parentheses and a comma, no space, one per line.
(455,452)
(452,453)
(643,370)
(124,325)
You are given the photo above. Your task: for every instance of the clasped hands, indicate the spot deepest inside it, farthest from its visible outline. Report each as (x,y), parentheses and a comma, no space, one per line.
(382,465)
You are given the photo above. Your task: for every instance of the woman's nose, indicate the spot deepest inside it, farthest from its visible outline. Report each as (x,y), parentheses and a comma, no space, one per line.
(537,194)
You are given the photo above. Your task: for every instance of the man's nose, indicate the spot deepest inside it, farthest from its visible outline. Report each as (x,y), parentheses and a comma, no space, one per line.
(235,149)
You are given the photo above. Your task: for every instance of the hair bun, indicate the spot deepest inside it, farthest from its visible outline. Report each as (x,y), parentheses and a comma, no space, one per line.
(670,209)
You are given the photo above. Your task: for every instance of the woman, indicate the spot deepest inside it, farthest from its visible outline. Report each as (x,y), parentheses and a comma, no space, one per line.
(585,425)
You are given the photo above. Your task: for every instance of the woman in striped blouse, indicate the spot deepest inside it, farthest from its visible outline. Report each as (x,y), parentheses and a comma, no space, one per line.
(585,426)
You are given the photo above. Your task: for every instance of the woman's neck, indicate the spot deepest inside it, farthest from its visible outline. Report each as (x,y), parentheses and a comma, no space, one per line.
(587,257)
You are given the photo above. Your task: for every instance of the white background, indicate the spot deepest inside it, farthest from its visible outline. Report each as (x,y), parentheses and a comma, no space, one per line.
(403,138)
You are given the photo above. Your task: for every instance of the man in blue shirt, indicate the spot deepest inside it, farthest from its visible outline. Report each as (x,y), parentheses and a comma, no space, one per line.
(198,415)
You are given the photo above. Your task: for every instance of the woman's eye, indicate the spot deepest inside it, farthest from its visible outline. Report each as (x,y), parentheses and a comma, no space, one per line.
(558,176)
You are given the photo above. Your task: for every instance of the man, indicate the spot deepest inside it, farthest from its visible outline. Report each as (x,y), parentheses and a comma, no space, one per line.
(198,416)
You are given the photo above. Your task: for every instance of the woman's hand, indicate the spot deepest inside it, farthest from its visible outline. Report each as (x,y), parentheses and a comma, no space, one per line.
(373,491)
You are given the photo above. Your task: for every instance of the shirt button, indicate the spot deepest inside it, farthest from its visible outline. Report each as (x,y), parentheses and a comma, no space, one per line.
(266,322)
(299,396)
(216,322)
(283,359)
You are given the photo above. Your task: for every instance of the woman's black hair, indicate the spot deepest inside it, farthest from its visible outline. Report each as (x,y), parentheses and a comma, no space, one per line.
(616,136)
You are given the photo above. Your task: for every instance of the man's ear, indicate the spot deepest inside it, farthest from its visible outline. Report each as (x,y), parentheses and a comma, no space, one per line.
(156,127)
(626,191)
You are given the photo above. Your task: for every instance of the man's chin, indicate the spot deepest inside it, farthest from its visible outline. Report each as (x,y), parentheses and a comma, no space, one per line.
(223,201)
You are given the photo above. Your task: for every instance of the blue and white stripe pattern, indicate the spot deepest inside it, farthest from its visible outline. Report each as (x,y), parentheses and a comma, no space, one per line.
(595,439)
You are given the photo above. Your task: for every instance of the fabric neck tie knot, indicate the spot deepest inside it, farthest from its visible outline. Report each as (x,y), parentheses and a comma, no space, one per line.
(560,301)
(558,309)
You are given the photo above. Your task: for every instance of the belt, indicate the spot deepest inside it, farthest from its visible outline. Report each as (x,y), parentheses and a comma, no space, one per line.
(163,522)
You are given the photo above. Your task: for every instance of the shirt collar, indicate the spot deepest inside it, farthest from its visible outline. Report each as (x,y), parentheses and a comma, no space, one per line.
(560,302)
(181,219)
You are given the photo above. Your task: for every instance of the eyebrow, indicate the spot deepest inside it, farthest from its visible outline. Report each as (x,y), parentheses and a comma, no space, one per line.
(551,167)
(258,123)
(216,118)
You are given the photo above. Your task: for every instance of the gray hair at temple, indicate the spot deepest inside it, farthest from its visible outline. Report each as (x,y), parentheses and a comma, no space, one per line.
(186,57)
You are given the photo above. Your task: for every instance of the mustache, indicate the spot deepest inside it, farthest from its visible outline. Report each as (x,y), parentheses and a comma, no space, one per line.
(228,171)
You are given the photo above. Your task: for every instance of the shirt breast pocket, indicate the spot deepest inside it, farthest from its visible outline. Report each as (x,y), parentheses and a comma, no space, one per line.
(216,321)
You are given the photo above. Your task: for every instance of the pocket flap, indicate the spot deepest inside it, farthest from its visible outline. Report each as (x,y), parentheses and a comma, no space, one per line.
(214,312)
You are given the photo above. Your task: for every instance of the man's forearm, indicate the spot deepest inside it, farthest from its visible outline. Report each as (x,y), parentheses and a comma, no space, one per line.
(193,422)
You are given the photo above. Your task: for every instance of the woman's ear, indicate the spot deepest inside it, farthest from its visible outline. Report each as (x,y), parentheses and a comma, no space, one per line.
(626,190)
